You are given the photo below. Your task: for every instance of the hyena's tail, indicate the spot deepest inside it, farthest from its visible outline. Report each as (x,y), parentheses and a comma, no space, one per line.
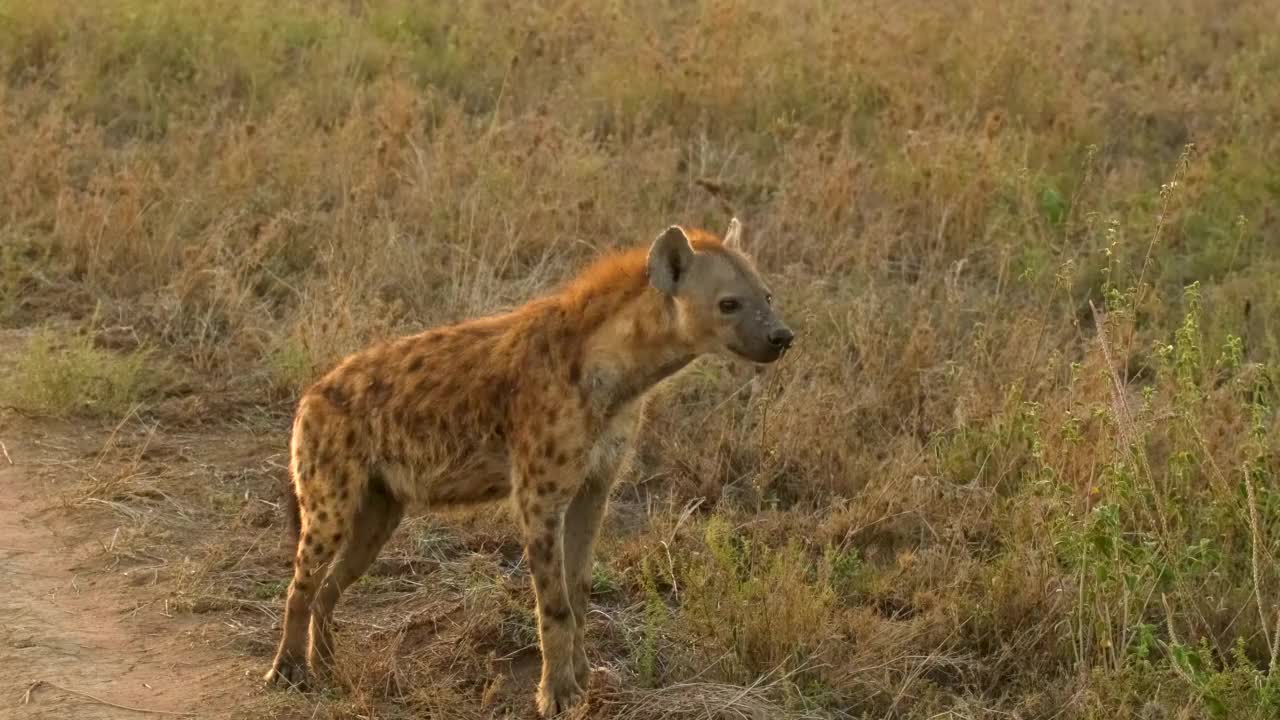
(289,494)
(292,513)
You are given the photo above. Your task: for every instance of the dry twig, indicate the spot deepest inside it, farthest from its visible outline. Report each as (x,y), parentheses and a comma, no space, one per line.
(26,699)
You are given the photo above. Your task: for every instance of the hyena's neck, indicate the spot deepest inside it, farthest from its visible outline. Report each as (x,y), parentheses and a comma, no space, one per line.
(634,350)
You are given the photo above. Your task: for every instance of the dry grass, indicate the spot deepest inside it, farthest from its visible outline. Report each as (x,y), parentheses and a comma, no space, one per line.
(1022,463)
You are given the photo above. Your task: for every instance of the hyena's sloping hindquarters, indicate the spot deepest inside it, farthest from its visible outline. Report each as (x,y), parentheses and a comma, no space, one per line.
(345,516)
(376,518)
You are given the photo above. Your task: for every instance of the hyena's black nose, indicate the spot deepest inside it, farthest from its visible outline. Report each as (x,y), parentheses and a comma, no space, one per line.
(781,338)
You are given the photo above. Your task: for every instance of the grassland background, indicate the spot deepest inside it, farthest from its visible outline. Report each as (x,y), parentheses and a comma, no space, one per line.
(1023,461)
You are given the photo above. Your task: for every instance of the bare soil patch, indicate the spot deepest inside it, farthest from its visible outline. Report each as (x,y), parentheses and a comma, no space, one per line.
(72,622)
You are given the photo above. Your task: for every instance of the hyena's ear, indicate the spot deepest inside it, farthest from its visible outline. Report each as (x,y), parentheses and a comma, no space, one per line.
(733,236)
(669,259)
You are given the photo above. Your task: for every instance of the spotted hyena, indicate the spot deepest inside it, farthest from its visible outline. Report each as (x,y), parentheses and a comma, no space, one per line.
(540,404)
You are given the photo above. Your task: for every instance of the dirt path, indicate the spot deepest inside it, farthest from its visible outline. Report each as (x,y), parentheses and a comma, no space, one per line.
(88,630)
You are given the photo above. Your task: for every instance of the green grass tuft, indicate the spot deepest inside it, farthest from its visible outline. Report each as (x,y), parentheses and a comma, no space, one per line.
(58,378)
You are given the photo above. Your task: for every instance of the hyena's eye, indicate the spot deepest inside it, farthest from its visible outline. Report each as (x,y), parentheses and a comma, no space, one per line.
(768,298)
(728,306)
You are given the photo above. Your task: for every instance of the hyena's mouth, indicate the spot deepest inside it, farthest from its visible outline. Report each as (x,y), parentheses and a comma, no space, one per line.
(769,355)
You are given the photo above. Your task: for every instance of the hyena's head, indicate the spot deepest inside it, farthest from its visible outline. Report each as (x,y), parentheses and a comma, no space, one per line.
(722,304)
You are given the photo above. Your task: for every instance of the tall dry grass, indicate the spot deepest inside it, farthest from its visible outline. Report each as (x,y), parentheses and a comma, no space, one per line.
(1023,461)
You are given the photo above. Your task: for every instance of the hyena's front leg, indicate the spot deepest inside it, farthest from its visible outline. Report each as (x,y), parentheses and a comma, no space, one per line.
(543,498)
(582,525)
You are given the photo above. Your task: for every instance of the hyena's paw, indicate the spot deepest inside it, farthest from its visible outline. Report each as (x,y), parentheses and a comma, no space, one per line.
(557,697)
(288,673)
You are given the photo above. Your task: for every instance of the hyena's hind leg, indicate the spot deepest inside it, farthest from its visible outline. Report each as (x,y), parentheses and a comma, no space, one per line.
(376,518)
(326,504)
